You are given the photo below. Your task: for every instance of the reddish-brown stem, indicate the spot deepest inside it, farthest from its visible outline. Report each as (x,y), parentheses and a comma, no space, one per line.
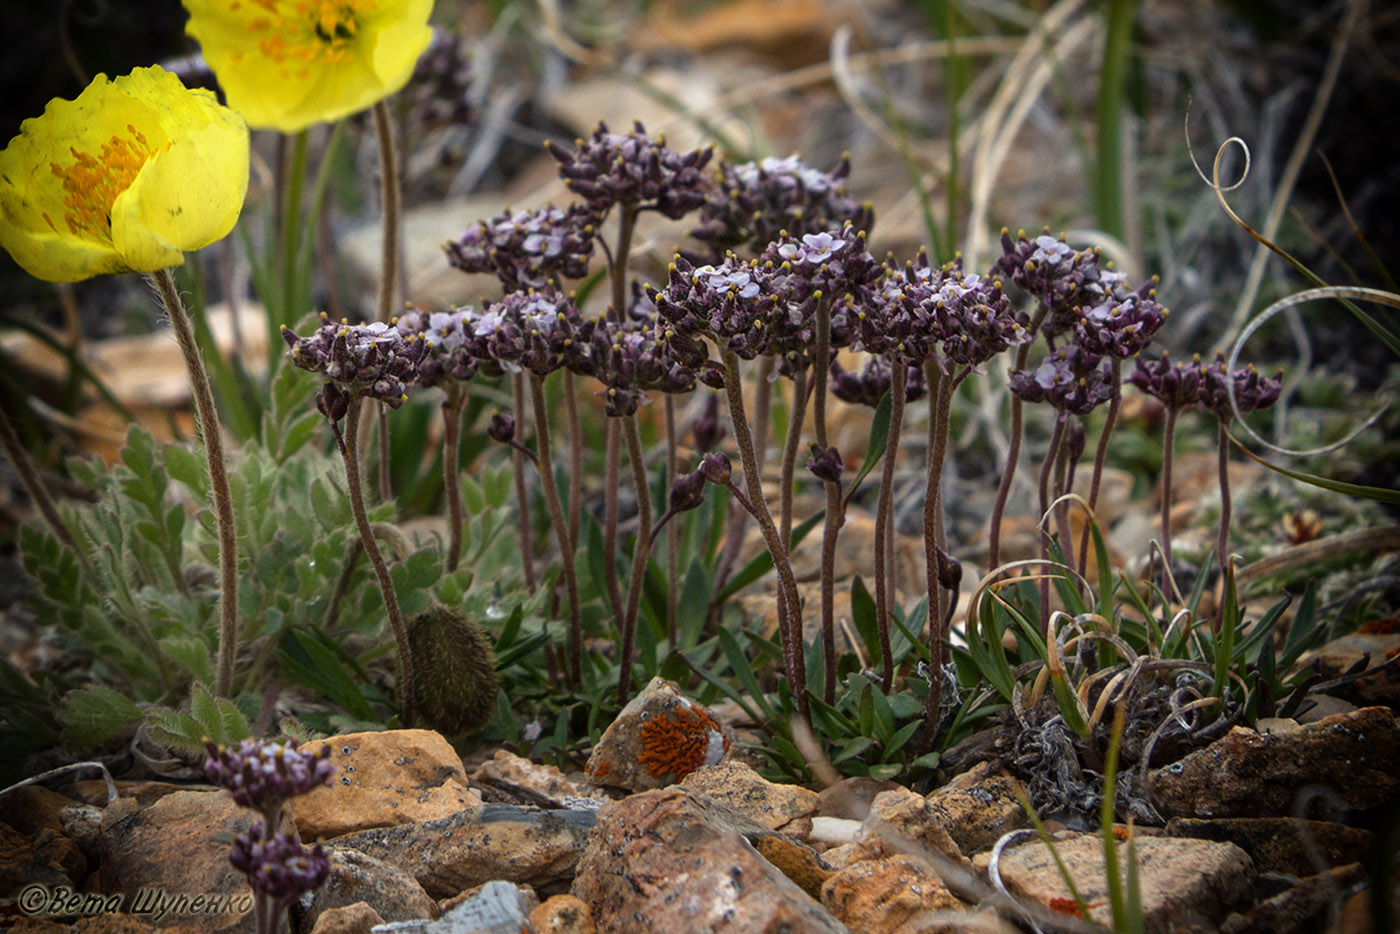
(355,489)
(522,496)
(561,530)
(1100,453)
(575,455)
(1168,444)
(940,391)
(831,525)
(789,607)
(451,430)
(640,553)
(734,527)
(1013,451)
(790,443)
(673,532)
(884,523)
(611,459)
(163,281)
(382,419)
(1062,510)
(1051,453)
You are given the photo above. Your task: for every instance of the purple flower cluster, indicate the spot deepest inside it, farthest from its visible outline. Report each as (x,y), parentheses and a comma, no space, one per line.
(1071,379)
(446,334)
(1177,385)
(1123,322)
(976,318)
(261,775)
(757,201)
(869,386)
(374,361)
(1056,274)
(1252,391)
(438,91)
(628,358)
(634,170)
(278,866)
(835,264)
(529,249)
(727,301)
(538,330)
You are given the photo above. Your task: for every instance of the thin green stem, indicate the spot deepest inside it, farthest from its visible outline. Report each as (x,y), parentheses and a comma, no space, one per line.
(291,235)
(545,465)
(1108,182)
(1222,552)
(163,281)
(389,206)
(641,550)
(355,488)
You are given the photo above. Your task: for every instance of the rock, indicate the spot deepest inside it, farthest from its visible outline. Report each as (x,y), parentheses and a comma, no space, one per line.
(82,823)
(1249,774)
(26,860)
(799,863)
(358,878)
(36,814)
(171,866)
(563,914)
(358,918)
(903,822)
(495,908)
(520,778)
(850,798)
(1307,906)
(525,845)
(1282,844)
(659,738)
(1380,685)
(1184,882)
(741,788)
(833,831)
(978,807)
(888,896)
(657,861)
(383,779)
(1357,915)
(94,791)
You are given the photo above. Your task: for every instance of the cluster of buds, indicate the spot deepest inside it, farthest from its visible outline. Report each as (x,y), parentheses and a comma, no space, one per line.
(1071,379)
(1060,277)
(757,201)
(528,249)
(897,319)
(263,776)
(869,386)
(446,334)
(976,317)
(628,358)
(1122,323)
(537,330)
(1251,389)
(727,302)
(1176,385)
(825,463)
(374,361)
(635,170)
(438,91)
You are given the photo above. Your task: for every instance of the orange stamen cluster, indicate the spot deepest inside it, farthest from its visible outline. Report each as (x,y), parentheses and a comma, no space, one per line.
(307,32)
(92,183)
(678,744)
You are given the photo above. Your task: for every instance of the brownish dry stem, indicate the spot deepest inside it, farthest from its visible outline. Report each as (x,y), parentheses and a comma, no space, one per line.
(673,532)
(34,485)
(1110,419)
(791,440)
(1051,454)
(522,496)
(641,551)
(386,492)
(789,607)
(940,390)
(1013,451)
(355,489)
(884,523)
(734,526)
(1062,510)
(163,281)
(831,525)
(575,455)
(1168,444)
(561,530)
(451,430)
(611,469)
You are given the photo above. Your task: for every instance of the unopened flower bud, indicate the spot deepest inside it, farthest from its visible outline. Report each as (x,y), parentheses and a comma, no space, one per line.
(716,468)
(501,428)
(826,464)
(687,492)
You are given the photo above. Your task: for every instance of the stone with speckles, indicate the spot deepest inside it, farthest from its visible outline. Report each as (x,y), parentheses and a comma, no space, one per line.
(659,738)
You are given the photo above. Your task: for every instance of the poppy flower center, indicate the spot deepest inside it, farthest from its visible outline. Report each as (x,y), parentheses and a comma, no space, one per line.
(92,183)
(308,32)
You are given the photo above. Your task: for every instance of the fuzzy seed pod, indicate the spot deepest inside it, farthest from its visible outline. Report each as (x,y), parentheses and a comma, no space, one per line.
(454,670)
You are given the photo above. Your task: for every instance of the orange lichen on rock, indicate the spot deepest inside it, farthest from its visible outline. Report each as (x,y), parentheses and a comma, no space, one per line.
(680,744)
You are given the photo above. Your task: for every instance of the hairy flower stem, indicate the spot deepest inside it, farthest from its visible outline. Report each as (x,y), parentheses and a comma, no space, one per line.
(789,607)
(386,491)
(1052,453)
(349,445)
(1061,487)
(790,443)
(884,523)
(389,256)
(163,281)
(673,532)
(641,550)
(451,430)
(1100,453)
(522,496)
(611,465)
(835,516)
(561,530)
(575,455)
(1013,451)
(33,484)
(734,527)
(1223,468)
(940,394)
(1168,443)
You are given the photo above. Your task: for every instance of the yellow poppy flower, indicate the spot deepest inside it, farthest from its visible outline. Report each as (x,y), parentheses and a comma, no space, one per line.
(126,178)
(286,64)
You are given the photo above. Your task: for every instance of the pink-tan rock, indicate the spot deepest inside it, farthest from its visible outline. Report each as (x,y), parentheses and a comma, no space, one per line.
(740,788)
(511,773)
(358,918)
(383,779)
(1249,774)
(1183,882)
(657,862)
(978,807)
(903,822)
(893,895)
(563,914)
(659,738)
(359,878)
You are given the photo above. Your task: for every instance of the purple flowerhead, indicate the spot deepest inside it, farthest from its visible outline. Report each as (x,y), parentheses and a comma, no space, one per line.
(716,468)
(898,319)
(755,201)
(976,317)
(446,333)
(1122,322)
(262,775)
(628,358)
(1060,277)
(438,91)
(634,170)
(528,249)
(873,381)
(1177,385)
(728,302)
(825,463)
(1252,391)
(373,361)
(538,330)
(278,866)
(1070,379)
(835,264)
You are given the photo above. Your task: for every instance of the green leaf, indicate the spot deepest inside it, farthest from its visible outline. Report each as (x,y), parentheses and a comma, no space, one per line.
(879,440)
(763,562)
(93,714)
(863,615)
(184,465)
(317,667)
(739,665)
(473,498)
